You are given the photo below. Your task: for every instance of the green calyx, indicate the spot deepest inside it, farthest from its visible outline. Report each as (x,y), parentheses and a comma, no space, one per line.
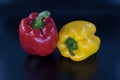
(71,45)
(38,23)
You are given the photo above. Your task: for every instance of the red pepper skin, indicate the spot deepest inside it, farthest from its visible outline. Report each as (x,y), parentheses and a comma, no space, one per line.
(38,41)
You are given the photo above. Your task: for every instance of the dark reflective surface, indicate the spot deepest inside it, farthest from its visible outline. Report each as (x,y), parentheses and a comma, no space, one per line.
(48,68)
(85,70)
(39,68)
(15,64)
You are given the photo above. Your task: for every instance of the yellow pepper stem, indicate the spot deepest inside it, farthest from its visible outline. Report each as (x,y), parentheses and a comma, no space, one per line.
(71,45)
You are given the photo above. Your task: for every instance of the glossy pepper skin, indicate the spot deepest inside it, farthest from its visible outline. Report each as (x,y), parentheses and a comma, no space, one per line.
(38,34)
(77,40)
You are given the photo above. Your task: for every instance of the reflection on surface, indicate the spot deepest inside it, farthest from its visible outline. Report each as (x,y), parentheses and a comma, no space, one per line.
(69,70)
(39,68)
(47,68)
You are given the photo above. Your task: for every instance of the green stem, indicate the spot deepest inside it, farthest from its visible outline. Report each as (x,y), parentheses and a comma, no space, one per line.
(71,51)
(71,45)
(38,23)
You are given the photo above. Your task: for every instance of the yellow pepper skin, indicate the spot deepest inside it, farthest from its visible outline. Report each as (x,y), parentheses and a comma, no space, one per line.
(77,40)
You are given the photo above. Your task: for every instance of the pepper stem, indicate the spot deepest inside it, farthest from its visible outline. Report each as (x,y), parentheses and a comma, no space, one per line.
(71,45)
(38,23)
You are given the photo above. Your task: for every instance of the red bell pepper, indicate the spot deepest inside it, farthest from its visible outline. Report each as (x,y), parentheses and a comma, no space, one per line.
(38,34)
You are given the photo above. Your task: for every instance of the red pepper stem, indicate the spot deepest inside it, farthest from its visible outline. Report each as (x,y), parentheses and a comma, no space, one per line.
(38,23)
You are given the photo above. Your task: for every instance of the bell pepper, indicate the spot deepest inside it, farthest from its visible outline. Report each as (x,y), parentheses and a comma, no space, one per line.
(77,40)
(38,34)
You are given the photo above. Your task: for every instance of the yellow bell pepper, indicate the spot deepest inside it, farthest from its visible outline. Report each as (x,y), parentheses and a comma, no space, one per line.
(77,40)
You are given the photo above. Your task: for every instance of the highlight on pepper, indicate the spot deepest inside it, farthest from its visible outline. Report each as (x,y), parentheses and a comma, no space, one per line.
(77,40)
(38,34)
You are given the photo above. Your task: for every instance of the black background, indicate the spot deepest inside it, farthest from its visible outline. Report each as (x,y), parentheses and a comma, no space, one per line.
(15,64)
